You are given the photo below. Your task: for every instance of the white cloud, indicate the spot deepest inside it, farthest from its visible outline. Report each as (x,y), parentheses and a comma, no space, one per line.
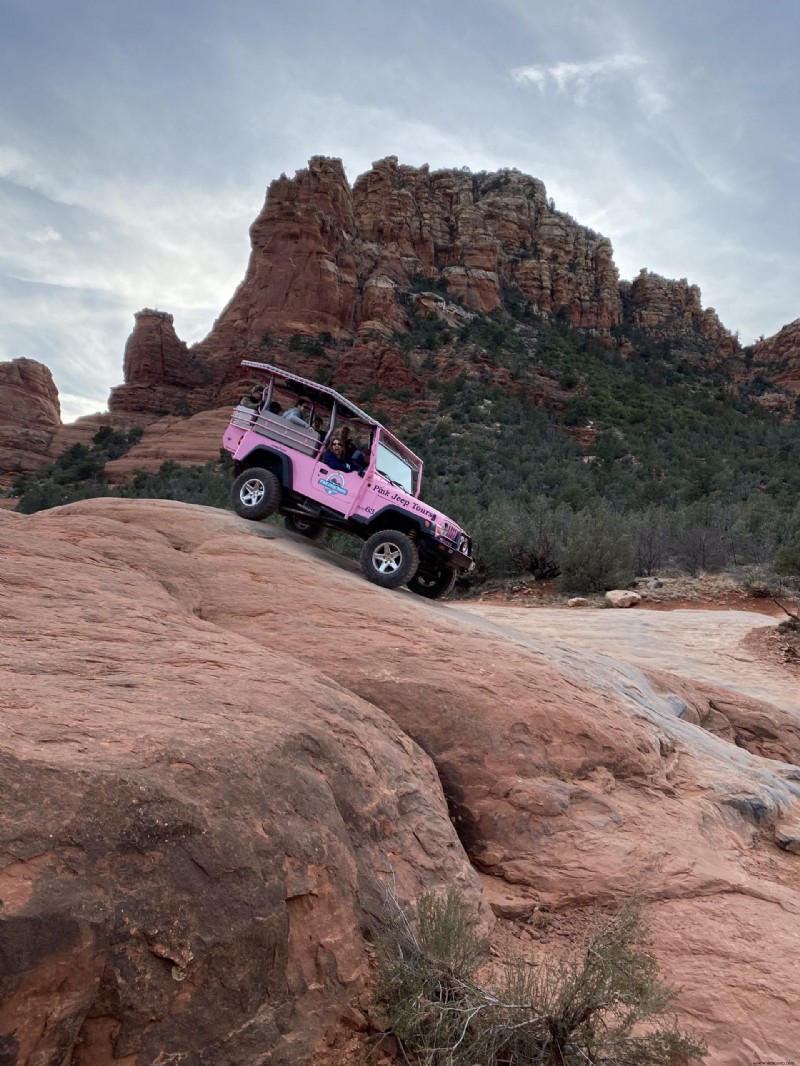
(128,178)
(580,80)
(45,236)
(74,407)
(581,75)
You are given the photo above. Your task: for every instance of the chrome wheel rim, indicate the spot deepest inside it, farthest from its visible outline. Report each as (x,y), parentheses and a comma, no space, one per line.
(252,492)
(387,557)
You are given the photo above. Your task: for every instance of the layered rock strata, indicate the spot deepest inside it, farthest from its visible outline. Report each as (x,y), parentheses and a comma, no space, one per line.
(161,375)
(30,415)
(326,257)
(671,310)
(779,357)
(349,263)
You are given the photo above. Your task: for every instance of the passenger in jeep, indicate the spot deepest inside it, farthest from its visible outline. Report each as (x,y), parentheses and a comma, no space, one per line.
(360,459)
(334,457)
(348,445)
(254,398)
(299,414)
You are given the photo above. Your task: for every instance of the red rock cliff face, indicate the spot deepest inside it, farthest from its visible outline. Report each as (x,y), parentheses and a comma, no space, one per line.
(160,371)
(350,261)
(30,414)
(670,310)
(326,257)
(779,357)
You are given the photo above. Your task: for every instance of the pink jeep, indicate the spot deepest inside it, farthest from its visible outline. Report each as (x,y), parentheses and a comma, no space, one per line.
(368,487)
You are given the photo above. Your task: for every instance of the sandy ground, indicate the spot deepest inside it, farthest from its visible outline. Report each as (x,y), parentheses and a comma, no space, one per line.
(703,645)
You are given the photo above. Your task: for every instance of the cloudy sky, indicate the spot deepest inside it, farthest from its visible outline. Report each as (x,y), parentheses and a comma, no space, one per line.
(137,140)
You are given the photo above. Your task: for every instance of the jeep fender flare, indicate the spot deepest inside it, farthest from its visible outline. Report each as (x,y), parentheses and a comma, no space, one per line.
(391,517)
(279,463)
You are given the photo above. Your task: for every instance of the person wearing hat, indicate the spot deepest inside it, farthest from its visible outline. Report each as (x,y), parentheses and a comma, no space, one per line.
(254,398)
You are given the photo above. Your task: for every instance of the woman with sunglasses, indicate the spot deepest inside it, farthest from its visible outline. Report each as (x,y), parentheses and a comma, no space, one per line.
(334,456)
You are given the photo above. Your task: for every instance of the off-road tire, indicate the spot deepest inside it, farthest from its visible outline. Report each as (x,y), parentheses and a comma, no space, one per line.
(433,588)
(306,527)
(389,559)
(256,494)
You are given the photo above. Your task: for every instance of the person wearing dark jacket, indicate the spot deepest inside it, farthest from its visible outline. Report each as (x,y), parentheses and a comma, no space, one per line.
(254,398)
(334,457)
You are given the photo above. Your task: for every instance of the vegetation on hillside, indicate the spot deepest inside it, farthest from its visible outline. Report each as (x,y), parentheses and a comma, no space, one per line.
(79,474)
(562,457)
(695,472)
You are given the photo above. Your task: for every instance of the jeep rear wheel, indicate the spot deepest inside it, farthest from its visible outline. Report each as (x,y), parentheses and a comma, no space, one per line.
(306,527)
(433,586)
(389,559)
(256,494)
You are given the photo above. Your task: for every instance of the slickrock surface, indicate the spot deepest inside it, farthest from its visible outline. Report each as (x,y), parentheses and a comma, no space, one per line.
(30,414)
(191,822)
(698,645)
(216,737)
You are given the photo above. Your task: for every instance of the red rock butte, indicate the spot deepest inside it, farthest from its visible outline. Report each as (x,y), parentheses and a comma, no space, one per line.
(349,267)
(328,258)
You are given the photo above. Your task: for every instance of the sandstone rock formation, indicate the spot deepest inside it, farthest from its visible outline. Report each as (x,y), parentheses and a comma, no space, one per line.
(192,441)
(161,375)
(326,257)
(671,310)
(348,268)
(30,414)
(194,874)
(346,262)
(204,777)
(779,357)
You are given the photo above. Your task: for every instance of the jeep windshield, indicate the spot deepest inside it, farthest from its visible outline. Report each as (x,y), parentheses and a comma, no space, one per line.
(398,469)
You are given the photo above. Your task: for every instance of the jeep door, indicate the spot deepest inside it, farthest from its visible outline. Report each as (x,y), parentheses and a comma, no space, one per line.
(338,489)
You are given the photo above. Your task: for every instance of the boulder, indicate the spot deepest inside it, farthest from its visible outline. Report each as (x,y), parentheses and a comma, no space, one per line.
(622,598)
(194,829)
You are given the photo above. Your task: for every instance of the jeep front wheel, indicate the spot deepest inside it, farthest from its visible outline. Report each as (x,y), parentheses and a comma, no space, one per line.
(256,494)
(389,559)
(433,587)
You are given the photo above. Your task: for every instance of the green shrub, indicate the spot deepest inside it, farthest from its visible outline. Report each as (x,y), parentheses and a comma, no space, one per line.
(598,555)
(208,485)
(77,474)
(788,558)
(606,1004)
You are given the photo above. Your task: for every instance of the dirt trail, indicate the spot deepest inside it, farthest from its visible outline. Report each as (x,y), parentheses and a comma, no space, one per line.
(700,645)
